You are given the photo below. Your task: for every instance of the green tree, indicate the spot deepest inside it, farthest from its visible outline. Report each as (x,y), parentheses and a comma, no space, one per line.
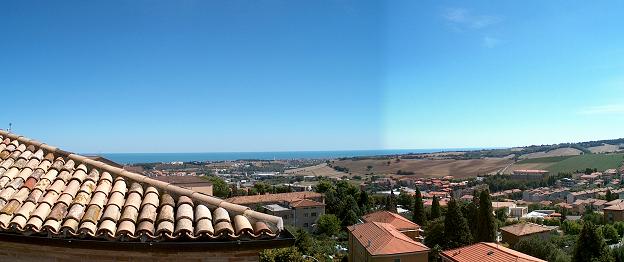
(571,227)
(303,241)
(405,200)
(435,233)
(541,249)
(323,186)
(593,217)
(486,224)
(364,202)
(456,229)
(349,219)
(288,254)
(219,187)
(419,209)
(435,208)
(590,246)
(328,224)
(610,234)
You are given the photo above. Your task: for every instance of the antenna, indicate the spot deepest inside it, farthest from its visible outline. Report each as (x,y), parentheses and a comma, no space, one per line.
(10,125)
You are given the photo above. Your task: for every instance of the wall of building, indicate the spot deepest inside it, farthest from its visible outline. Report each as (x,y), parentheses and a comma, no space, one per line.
(203,189)
(512,239)
(307,216)
(613,215)
(18,252)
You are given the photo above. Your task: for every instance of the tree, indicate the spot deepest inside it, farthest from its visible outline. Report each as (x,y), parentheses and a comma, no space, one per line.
(363,202)
(590,246)
(287,254)
(486,224)
(391,202)
(456,229)
(405,200)
(540,248)
(571,227)
(328,224)
(419,209)
(349,219)
(435,208)
(303,241)
(323,186)
(219,187)
(435,233)
(610,234)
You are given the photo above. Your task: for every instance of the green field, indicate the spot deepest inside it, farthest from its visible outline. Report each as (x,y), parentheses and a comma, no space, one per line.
(552,159)
(597,161)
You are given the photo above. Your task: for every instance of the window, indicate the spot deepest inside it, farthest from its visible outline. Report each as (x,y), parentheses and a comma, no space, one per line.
(313,214)
(305,224)
(397,260)
(305,214)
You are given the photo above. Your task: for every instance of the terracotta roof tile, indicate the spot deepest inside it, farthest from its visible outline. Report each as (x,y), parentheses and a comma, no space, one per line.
(522,229)
(487,252)
(50,192)
(384,239)
(396,220)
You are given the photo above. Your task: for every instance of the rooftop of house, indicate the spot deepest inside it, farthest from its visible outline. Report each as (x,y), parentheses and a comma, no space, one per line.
(273,198)
(399,222)
(616,207)
(184,181)
(487,252)
(305,203)
(49,192)
(523,229)
(384,239)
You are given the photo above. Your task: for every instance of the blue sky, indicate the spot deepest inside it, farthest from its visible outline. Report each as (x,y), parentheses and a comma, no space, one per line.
(202,76)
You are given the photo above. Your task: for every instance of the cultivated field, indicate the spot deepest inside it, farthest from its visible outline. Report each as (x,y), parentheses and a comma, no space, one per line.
(605,148)
(426,167)
(557,152)
(571,163)
(318,170)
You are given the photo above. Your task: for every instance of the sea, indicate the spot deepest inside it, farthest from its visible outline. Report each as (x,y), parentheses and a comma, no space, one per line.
(133,158)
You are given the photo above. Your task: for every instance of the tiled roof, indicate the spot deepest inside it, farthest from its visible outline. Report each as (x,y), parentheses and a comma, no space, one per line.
(270,198)
(305,203)
(396,220)
(383,239)
(46,191)
(616,207)
(522,229)
(487,252)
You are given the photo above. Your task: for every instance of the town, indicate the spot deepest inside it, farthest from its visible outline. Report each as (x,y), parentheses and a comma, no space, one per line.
(412,218)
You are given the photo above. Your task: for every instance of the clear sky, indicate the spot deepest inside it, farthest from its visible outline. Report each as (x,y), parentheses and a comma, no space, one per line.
(204,76)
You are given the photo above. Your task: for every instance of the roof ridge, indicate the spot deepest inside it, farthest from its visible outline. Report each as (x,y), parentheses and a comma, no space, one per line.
(176,190)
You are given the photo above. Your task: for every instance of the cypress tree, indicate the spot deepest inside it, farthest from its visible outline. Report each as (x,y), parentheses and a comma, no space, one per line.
(435,208)
(486,223)
(591,246)
(456,231)
(363,202)
(419,209)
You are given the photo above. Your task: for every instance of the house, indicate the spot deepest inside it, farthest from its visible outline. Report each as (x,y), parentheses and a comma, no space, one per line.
(194,183)
(614,213)
(375,241)
(518,212)
(281,198)
(399,222)
(486,252)
(514,233)
(525,175)
(57,205)
(307,212)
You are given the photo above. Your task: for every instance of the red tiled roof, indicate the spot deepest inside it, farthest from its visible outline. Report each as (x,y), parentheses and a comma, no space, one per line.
(396,220)
(383,239)
(268,198)
(45,191)
(522,229)
(306,203)
(487,252)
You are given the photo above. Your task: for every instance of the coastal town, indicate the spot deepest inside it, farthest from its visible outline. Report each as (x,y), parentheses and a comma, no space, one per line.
(529,207)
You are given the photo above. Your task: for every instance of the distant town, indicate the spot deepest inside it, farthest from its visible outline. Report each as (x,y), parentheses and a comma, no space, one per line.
(532,197)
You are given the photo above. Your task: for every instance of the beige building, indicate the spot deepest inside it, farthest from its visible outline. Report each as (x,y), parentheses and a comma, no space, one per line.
(614,213)
(528,174)
(381,242)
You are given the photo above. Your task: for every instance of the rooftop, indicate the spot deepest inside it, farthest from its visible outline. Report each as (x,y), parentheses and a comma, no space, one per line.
(305,203)
(523,229)
(49,192)
(396,220)
(384,239)
(273,198)
(487,252)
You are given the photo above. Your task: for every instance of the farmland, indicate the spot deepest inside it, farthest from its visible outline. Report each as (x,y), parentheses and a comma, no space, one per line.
(568,164)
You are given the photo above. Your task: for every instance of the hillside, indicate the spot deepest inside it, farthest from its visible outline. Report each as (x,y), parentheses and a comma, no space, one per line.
(600,162)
